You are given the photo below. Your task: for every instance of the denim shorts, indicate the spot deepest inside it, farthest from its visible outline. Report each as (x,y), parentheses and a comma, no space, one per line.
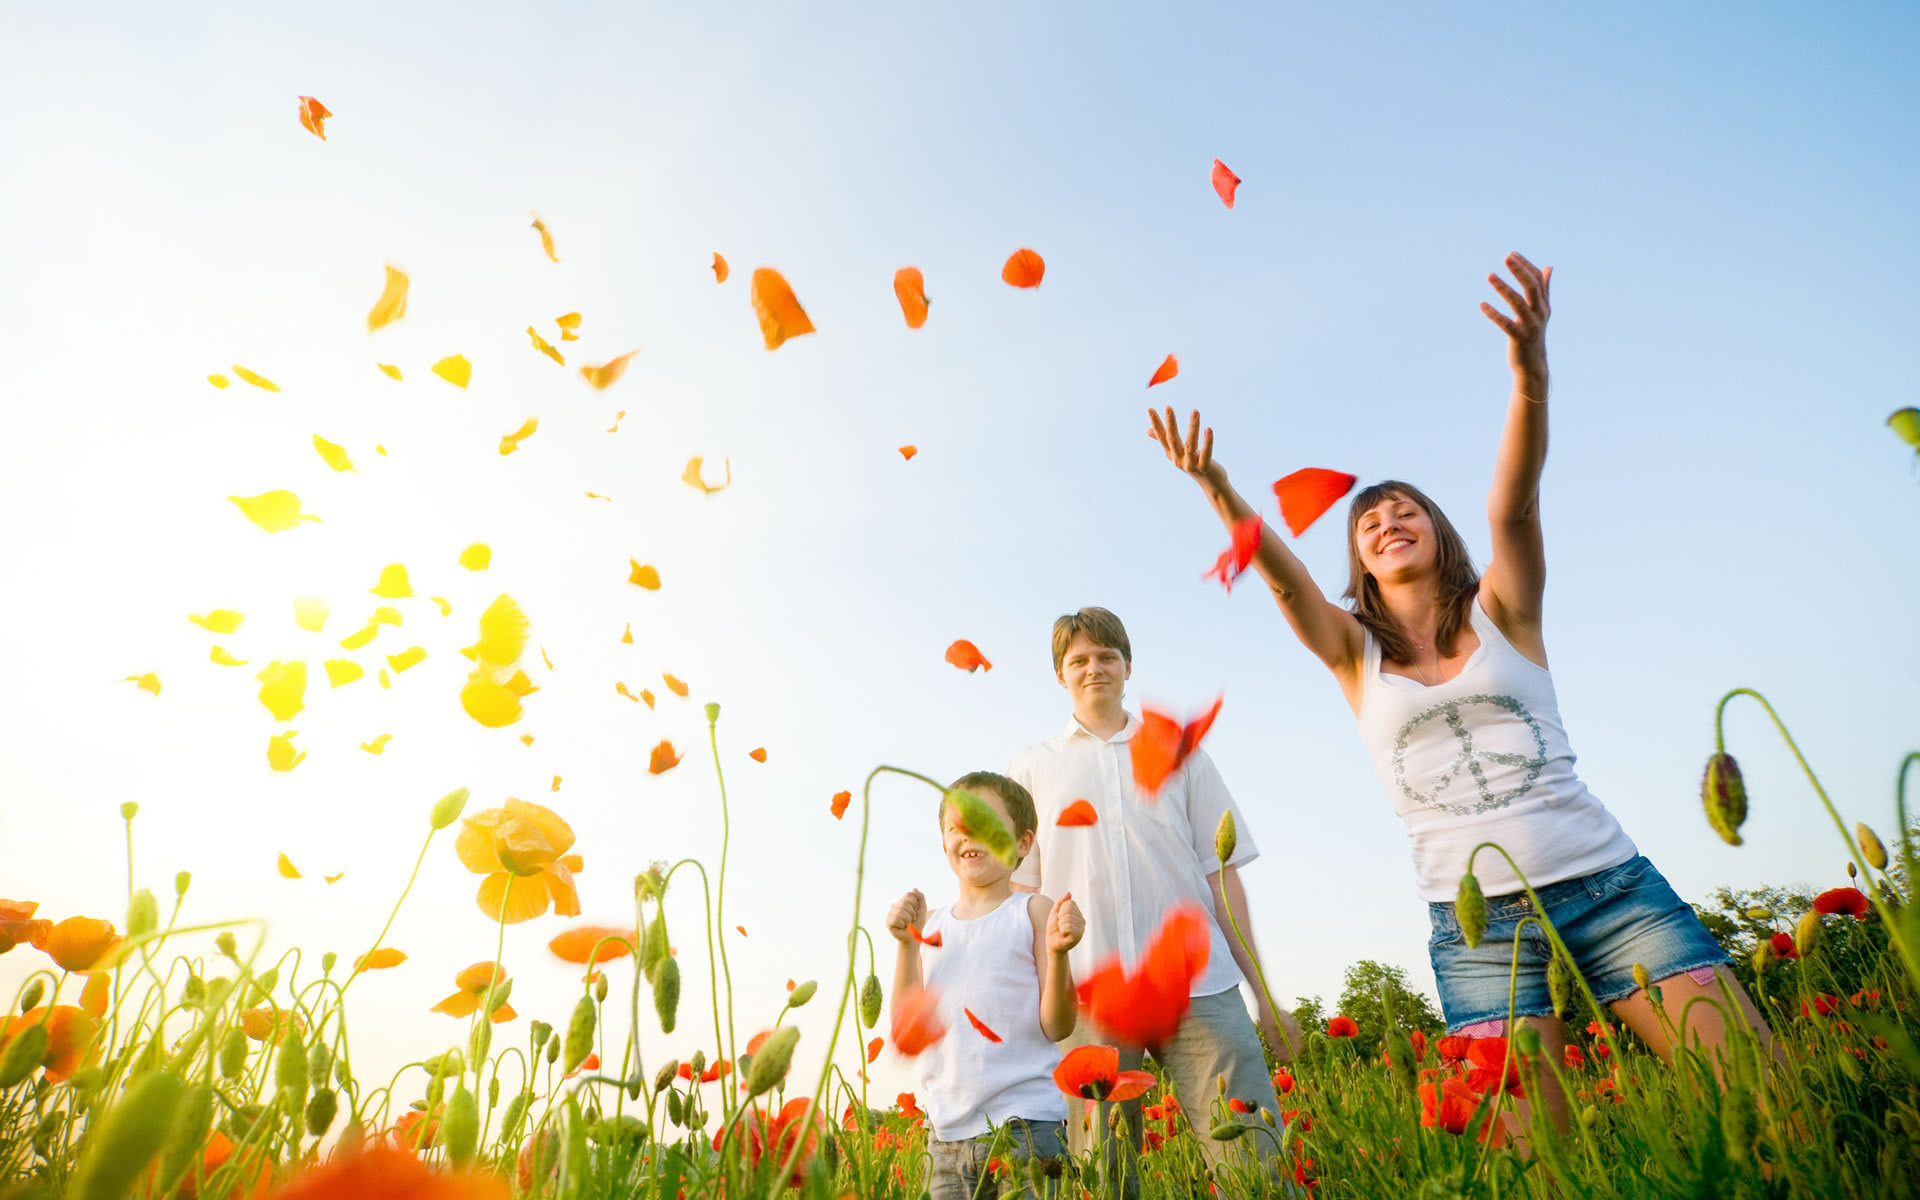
(1610,920)
(958,1166)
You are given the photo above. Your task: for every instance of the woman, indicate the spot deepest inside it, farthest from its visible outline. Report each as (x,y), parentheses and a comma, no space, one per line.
(1446,671)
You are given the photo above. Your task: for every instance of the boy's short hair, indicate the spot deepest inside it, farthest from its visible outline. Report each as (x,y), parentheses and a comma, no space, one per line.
(1019,801)
(1101,627)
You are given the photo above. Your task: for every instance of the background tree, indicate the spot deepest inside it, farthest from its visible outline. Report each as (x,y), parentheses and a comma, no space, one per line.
(1362,999)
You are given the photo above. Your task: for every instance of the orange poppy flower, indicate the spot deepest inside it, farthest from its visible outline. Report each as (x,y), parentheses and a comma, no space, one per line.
(1162,745)
(1146,1007)
(262,1024)
(472,982)
(522,850)
(18,924)
(916,1020)
(1080,812)
(79,943)
(71,1034)
(384,1173)
(578,943)
(1093,1073)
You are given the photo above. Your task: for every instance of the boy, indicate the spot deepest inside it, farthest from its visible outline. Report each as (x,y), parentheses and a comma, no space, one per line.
(1142,857)
(998,963)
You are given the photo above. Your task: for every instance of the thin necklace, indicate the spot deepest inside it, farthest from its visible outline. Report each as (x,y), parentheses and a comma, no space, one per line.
(1417,648)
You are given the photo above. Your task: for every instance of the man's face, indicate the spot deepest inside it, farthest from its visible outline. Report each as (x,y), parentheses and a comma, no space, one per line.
(1093,675)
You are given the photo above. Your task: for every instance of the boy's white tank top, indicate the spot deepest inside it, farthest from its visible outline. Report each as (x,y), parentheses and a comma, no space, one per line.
(1484,757)
(966,1081)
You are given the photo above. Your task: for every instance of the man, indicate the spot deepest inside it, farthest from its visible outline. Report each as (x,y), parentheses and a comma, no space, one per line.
(1142,857)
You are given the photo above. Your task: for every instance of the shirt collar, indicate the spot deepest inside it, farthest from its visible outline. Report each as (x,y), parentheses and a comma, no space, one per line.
(1076,729)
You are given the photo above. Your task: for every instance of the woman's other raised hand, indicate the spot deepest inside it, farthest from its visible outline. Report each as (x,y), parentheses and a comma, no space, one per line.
(1526,329)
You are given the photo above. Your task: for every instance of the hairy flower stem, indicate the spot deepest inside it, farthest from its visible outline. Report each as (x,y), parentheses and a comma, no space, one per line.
(713,981)
(1259,969)
(493,977)
(720,892)
(385,929)
(1895,933)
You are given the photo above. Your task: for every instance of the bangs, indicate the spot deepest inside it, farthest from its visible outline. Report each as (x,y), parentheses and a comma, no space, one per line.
(1377,493)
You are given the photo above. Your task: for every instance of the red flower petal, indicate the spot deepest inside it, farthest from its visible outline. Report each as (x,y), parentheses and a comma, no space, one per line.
(1161,745)
(1024,269)
(1234,561)
(1224,182)
(1167,370)
(1145,1008)
(965,655)
(1308,493)
(916,1020)
(1078,813)
(980,1025)
(933,941)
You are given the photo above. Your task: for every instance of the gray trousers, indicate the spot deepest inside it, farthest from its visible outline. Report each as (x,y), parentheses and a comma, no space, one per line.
(1215,1040)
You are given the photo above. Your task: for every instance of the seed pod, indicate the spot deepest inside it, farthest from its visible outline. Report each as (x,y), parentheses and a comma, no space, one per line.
(1640,979)
(663,1078)
(290,1073)
(127,1137)
(1589,1116)
(194,991)
(129,810)
(516,1109)
(1559,984)
(666,993)
(1526,1040)
(1725,797)
(460,1127)
(676,1112)
(225,943)
(1225,837)
(1471,908)
(801,994)
(319,1061)
(181,882)
(143,914)
(1871,848)
(983,825)
(770,1064)
(713,712)
(698,1065)
(493,1092)
(1225,1131)
(30,999)
(191,1124)
(553,1051)
(579,1035)
(871,998)
(653,948)
(501,991)
(326,962)
(541,1032)
(1762,957)
(1806,935)
(1738,1122)
(480,1041)
(447,809)
(321,1110)
(233,1053)
(23,1054)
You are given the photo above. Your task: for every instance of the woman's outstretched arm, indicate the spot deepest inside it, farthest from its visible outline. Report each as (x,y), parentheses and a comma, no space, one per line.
(1323,627)
(1517,576)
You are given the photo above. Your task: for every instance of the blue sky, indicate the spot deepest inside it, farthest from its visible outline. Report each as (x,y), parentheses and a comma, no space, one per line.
(1726,193)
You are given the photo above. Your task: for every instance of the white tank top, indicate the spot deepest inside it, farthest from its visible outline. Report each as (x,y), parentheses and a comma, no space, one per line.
(986,965)
(1484,757)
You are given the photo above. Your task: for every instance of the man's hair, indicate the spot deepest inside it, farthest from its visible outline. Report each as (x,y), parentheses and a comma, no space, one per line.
(1019,801)
(1101,627)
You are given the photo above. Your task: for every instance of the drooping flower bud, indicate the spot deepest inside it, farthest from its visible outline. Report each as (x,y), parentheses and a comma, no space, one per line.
(770,1064)
(801,994)
(871,998)
(1806,935)
(1471,909)
(1559,984)
(225,944)
(448,808)
(666,992)
(143,914)
(1225,1131)
(1725,797)
(321,1111)
(541,1032)
(653,948)
(460,1127)
(1762,957)
(30,998)
(663,1078)
(1526,1041)
(579,1034)
(1640,979)
(1225,837)
(1871,848)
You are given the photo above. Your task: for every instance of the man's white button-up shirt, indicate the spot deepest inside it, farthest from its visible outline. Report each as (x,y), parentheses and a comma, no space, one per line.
(1141,858)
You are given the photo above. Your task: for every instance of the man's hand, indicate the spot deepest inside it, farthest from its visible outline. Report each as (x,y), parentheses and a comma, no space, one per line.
(1065,925)
(1270,1025)
(910,909)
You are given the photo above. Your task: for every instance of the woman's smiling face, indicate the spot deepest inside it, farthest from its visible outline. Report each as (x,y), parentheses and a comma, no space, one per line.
(1395,540)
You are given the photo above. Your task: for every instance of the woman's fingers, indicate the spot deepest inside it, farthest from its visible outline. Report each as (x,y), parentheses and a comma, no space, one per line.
(1520,307)
(1499,318)
(1206,450)
(1193,430)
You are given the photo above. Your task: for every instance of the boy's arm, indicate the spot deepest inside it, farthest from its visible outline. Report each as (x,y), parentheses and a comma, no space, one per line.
(1273,1021)
(906,968)
(1057,928)
(910,909)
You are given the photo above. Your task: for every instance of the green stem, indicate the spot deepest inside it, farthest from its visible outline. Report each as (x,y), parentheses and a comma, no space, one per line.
(1259,969)
(385,929)
(493,976)
(719,923)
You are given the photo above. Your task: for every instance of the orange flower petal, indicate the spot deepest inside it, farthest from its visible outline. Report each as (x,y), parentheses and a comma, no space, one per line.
(646,577)
(965,655)
(759,754)
(839,804)
(380,960)
(1024,269)
(675,686)
(781,316)
(1166,370)
(313,116)
(1224,182)
(546,238)
(907,452)
(980,1025)
(577,944)
(916,1020)
(911,289)
(873,1048)
(608,373)
(1080,812)
(720,268)
(663,759)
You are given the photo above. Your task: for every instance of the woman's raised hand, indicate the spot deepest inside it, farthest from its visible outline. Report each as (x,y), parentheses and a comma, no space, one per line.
(1193,453)
(1526,330)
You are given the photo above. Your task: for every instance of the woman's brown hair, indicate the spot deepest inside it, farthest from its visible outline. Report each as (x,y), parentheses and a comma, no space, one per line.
(1459,582)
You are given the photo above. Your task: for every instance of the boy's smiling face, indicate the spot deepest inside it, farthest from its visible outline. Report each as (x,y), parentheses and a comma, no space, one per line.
(972,863)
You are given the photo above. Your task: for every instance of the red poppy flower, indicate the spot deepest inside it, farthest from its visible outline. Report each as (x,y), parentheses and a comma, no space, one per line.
(1573,1058)
(1146,1007)
(922,938)
(1602,1050)
(382,1171)
(1308,493)
(1483,1066)
(839,805)
(1153,1140)
(1238,1105)
(909,1105)
(1849,900)
(1162,744)
(1451,1106)
(1235,559)
(1093,1073)
(1297,1116)
(1783,946)
(1282,1081)
(1419,1040)
(775,1136)
(1822,1004)
(1453,1047)
(980,1025)
(1596,1029)
(1079,812)
(916,1020)
(1865,999)
(1342,1027)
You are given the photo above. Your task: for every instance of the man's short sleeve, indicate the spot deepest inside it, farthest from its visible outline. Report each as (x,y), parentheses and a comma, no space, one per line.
(1027,874)
(1207,799)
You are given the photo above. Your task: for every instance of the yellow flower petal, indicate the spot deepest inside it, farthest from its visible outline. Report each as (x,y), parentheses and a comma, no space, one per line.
(598,496)
(335,878)
(406,658)
(526,739)
(380,960)
(544,346)
(511,442)
(354,641)
(219,381)
(622,689)
(520,685)
(646,577)
(546,239)
(385,682)
(283,688)
(377,744)
(221,658)
(275,511)
(608,373)
(455,369)
(545,659)
(393,584)
(380,450)
(615,427)
(646,697)
(392,304)
(445,607)
(489,703)
(526,897)
(220,620)
(477,557)
(568,322)
(259,381)
(627,636)
(310,613)
(281,755)
(556,783)
(691,476)
(334,455)
(287,869)
(148,682)
(386,614)
(342,671)
(675,686)
(392,372)
(504,630)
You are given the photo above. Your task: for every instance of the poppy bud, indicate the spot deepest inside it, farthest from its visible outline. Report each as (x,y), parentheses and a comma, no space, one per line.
(770,1065)
(666,992)
(1806,936)
(143,914)
(1738,1123)
(713,712)
(600,989)
(1225,1131)
(1589,1116)
(290,1072)
(1853,872)
(225,943)
(233,1054)
(745,1063)
(1725,797)
(800,995)
(1870,847)
(129,810)
(1762,957)
(501,991)
(1559,984)
(1759,914)
(698,1065)
(663,1078)
(553,1051)
(266,980)
(1220,1084)
(653,948)
(126,1138)
(541,1032)
(516,1109)
(1400,1059)
(1654,994)
(1640,979)
(977,818)
(321,1111)
(871,999)
(675,1110)
(1471,909)
(1267,1116)
(326,962)
(460,1128)
(579,1035)
(23,1054)
(448,808)
(31,997)
(1526,1040)
(480,1041)
(1224,837)
(319,1061)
